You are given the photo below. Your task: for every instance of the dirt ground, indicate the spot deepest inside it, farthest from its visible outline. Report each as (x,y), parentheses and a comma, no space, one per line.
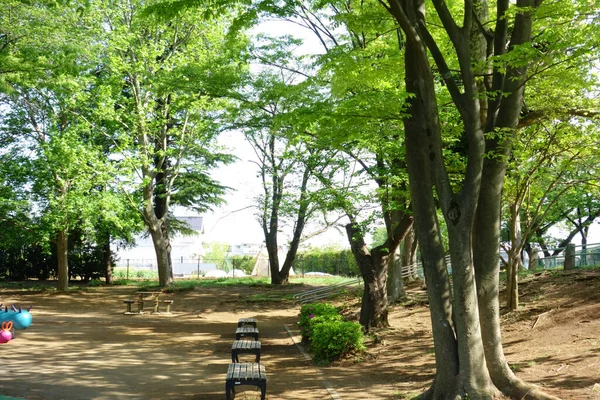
(82,346)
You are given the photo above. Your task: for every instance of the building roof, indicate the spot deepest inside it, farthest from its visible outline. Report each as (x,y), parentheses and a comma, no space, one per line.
(195,223)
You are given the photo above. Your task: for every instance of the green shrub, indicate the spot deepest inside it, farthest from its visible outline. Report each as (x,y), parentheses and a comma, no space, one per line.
(309,312)
(331,340)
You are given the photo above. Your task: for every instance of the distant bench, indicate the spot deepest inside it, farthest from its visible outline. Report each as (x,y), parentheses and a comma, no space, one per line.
(245,332)
(247,321)
(245,374)
(245,346)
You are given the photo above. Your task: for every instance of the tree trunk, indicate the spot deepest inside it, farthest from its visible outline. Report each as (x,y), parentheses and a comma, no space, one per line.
(409,256)
(284,274)
(163,256)
(486,246)
(428,235)
(62,252)
(107,259)
(570,257)
(272,251)
(373,269)
(395,283)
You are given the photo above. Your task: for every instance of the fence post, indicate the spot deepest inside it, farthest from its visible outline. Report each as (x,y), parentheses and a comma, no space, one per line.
(570,257)
(198,268)
(127,278)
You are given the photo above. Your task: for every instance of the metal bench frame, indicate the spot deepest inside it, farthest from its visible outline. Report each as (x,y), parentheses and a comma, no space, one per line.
(245,374)
(245,347)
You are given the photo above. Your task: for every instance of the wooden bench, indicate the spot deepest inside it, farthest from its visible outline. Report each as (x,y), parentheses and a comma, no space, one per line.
(245,346)
(245,374)
(247,321)
(246,332)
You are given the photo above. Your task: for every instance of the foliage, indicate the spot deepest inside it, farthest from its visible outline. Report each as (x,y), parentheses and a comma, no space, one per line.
(320,311)
(328,260)
(333,339)
(244,263)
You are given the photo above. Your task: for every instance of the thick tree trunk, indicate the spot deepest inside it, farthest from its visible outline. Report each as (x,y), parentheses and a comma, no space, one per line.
(272,251)
(62,252)
(284,274)
(373,269)
(163,256)
(486,245)
(373,266)
(428,235)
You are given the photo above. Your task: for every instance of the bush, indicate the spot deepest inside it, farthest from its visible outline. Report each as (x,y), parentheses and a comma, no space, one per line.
(333,339)
(329,260)
(309,312)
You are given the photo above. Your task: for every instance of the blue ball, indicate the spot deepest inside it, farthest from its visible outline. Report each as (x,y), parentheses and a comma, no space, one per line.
(21,319)
(6,315)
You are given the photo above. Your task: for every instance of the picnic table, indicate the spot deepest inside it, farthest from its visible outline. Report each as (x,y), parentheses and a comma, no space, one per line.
(148,297)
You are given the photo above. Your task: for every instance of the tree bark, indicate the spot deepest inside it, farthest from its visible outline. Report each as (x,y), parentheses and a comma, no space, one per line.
(107,258)
(373,269)
(284,273)
(62,253)
(373,266)
(395,282)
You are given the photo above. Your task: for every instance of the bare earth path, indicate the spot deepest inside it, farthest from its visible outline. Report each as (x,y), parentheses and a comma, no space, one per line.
(81,346)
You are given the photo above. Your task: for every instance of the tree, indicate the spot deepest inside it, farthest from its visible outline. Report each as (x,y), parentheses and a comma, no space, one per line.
(484,72)
(44,125)
(551,162)
(165,81)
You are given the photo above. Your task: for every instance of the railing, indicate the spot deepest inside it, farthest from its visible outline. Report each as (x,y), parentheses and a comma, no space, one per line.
(325,291)
(581,256)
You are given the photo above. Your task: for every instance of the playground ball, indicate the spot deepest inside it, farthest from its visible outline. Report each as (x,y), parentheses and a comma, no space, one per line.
(21,319)
(5,336)
(6,315)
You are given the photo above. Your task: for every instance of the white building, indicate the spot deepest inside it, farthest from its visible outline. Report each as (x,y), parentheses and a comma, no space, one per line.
(186,251)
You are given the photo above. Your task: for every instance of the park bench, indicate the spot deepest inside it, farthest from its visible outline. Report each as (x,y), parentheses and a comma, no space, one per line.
(246,332)
(245,347)
(245,374)
(246,321)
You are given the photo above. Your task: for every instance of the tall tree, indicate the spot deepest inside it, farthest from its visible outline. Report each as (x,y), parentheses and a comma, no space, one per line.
(44,125)
(485,72)
(166,80)
(552,161)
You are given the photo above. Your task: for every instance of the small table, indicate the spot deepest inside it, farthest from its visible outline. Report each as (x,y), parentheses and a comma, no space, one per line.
(148,296)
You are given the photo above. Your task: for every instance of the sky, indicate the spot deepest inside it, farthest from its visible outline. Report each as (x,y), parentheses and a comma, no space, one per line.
(235,222)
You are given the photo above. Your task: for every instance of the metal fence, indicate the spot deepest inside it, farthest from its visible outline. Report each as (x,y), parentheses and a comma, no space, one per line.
(587,255)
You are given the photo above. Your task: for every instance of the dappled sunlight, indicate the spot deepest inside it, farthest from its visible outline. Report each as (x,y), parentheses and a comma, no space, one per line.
(82,346)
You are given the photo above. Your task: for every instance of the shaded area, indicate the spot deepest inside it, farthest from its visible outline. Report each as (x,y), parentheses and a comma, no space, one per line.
(81,346)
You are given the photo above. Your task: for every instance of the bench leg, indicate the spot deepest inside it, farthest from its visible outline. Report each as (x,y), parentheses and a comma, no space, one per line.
(168,308)
(128,308)
(229,391)
(263,390)
(156,307)
(140,307)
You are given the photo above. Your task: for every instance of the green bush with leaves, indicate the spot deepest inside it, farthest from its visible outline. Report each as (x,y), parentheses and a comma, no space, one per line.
(333,339)
(320,311)
(329,260)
